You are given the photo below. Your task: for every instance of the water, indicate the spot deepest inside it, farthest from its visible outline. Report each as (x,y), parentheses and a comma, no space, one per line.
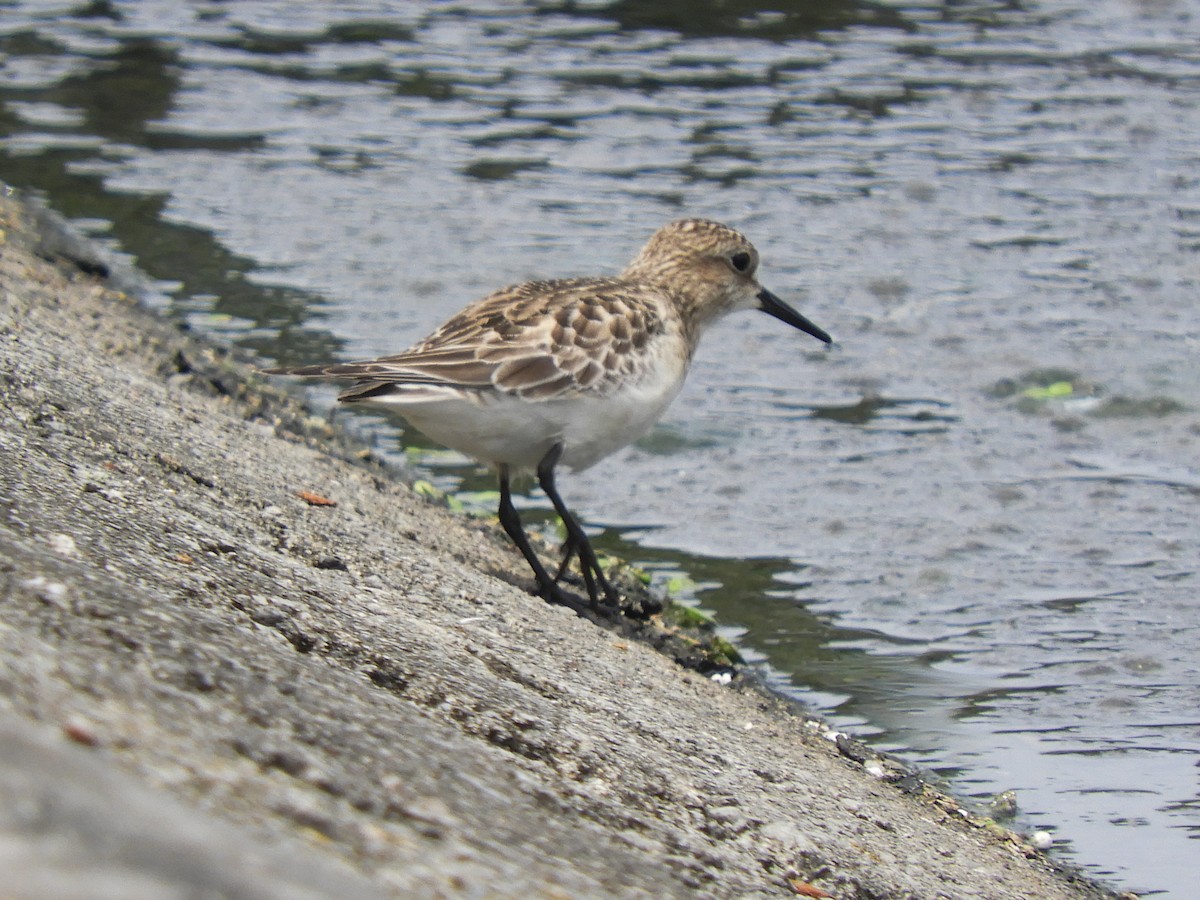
(968,532)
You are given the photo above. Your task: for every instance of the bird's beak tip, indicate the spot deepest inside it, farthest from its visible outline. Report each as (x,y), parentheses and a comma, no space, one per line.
(773,306)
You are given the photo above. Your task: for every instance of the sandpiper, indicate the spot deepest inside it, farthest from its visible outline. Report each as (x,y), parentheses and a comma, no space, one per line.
(568,371)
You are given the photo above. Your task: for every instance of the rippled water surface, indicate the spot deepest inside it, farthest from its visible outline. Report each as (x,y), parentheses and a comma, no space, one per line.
(968,531)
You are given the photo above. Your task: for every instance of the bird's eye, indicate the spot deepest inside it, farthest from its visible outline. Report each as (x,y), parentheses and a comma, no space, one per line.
(740,261)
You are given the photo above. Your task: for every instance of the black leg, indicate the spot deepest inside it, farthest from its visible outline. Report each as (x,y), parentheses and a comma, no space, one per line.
(568,552)
(577,541)
(510,520)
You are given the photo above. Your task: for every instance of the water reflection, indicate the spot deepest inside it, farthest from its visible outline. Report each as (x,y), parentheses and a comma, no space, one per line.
(902,416)
(777,21)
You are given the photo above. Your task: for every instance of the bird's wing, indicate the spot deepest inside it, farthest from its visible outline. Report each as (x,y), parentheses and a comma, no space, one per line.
(539,341)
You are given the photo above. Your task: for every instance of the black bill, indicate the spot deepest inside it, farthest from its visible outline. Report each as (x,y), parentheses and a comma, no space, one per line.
(773,306)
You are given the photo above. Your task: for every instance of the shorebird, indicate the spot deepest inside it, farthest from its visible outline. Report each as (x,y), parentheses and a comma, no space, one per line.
(567,371)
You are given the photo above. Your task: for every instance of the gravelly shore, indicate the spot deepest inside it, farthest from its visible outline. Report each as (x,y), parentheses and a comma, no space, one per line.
(210,685)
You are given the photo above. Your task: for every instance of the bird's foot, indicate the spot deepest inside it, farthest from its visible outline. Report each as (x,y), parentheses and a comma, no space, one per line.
(559,596)
(608,608)
(597,586)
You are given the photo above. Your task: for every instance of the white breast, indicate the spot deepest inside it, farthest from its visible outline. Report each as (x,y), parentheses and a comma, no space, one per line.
(504,428)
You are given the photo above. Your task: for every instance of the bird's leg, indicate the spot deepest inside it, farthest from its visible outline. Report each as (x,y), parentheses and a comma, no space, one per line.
(593,575)
(510,520)
(568,552)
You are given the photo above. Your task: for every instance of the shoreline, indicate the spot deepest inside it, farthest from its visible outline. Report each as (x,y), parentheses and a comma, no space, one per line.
(248,676)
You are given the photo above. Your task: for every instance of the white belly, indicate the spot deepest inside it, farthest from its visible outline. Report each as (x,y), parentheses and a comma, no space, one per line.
(502,428)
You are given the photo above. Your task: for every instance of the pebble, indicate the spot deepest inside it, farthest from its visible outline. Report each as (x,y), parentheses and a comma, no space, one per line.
(52,592)
(64,545)
(789,835)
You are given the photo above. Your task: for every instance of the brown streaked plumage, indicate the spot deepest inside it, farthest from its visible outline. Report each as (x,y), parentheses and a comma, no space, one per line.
(538,341)
(568,370)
